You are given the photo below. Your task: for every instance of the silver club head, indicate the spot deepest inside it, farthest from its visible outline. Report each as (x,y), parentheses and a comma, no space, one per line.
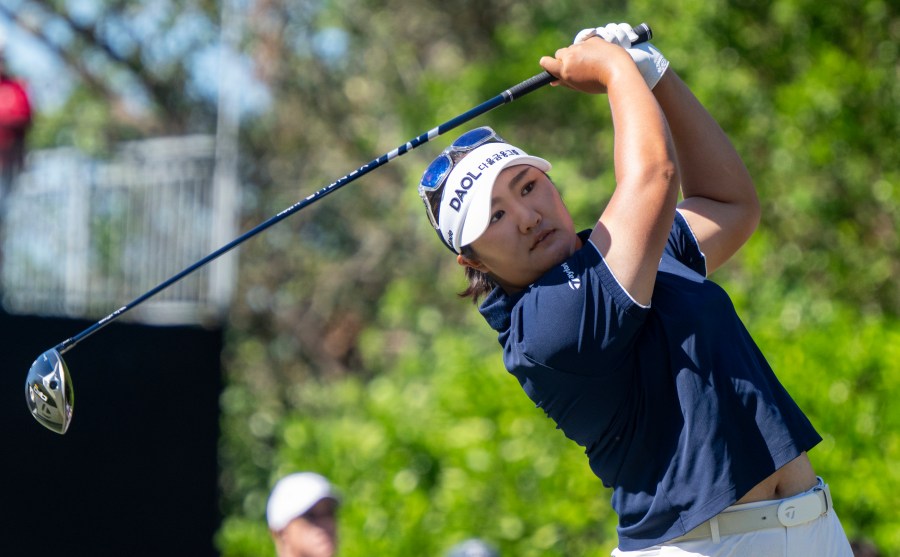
(48,391)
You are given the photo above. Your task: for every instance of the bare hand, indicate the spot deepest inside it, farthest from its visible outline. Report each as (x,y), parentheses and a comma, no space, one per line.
(588,66)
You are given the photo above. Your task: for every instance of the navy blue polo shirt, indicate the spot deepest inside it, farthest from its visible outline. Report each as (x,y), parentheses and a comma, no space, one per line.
(677,409)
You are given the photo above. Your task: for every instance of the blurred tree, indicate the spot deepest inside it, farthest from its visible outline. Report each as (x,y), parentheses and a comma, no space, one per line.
(132,64)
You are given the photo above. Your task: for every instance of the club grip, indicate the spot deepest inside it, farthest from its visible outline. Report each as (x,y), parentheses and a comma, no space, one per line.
(643,32)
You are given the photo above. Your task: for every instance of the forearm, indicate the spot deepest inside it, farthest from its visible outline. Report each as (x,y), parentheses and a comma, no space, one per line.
(634,225)
(709,164)
(643,145)
(720,201)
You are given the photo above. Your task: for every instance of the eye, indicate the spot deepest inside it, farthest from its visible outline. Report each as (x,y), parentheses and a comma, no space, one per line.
(526,189)
(497,216)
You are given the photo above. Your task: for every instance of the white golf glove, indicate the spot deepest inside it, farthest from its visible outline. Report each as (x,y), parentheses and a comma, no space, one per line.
(650,61)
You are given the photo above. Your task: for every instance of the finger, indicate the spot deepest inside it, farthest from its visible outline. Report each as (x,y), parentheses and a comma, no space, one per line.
(552,65)
(606,34)
(632,36)
(584,35)
(620,34)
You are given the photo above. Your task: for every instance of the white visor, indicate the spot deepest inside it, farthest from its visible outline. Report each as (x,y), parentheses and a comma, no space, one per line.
(466,200)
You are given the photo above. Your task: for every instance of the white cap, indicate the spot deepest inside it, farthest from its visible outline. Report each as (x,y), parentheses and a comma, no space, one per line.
(466,201)
(473,547)
(295,494)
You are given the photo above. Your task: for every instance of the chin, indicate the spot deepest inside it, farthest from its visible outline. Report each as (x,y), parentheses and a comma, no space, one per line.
(558,253)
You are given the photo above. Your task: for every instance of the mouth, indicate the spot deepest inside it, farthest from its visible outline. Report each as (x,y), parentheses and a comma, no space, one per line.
(540,238)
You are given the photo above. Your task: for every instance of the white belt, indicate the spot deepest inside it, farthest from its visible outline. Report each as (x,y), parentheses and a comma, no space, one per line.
(792,511)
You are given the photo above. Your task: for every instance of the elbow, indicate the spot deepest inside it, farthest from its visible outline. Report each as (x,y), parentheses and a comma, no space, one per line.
(669,171)
(741,195)
(749,214)
(661,174)
(753,209)
(668,174)
(657,178)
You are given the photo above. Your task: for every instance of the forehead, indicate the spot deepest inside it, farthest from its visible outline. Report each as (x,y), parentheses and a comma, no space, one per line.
(514,175)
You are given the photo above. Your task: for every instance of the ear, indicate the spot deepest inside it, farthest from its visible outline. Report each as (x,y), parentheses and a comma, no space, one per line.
(471,263)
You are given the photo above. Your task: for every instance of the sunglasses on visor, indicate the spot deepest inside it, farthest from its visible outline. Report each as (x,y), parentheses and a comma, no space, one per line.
(435,176)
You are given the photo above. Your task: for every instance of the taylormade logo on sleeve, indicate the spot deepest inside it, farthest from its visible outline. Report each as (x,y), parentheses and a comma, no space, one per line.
(574,281)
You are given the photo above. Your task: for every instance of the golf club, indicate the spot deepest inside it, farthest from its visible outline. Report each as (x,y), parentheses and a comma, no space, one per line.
(48,386)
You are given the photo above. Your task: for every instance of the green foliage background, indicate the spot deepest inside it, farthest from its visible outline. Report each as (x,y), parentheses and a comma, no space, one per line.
(348,352)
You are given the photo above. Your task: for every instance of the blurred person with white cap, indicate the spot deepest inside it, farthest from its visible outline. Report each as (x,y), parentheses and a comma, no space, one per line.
(473,547)
(302,516)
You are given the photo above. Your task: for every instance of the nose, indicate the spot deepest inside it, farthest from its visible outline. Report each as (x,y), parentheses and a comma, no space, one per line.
(528,218)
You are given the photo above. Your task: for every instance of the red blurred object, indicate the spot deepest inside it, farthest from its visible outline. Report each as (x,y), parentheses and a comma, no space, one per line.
(15,119)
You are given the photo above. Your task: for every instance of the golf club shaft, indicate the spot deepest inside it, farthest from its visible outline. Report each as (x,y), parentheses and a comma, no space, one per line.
(644,34)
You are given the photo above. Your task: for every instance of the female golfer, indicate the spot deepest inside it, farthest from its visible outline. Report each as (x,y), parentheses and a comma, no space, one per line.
(617,334)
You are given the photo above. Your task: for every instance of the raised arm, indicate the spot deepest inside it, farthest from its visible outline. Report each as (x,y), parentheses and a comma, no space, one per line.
(632,230)
(720,201)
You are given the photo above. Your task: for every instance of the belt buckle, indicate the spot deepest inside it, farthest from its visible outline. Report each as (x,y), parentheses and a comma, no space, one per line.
(800,510)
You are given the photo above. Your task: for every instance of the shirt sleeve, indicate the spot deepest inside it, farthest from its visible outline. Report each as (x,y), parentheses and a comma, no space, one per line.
(683,245)
(577,318)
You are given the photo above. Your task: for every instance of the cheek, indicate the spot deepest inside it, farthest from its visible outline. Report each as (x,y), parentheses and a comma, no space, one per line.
(559,206)
(495,241)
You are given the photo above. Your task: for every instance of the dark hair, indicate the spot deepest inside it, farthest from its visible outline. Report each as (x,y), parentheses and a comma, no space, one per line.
(480,284)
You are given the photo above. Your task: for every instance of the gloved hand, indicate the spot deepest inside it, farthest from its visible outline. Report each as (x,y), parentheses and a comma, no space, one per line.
(650,61)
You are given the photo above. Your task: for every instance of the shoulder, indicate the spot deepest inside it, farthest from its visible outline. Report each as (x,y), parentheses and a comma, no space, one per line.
(577,310)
